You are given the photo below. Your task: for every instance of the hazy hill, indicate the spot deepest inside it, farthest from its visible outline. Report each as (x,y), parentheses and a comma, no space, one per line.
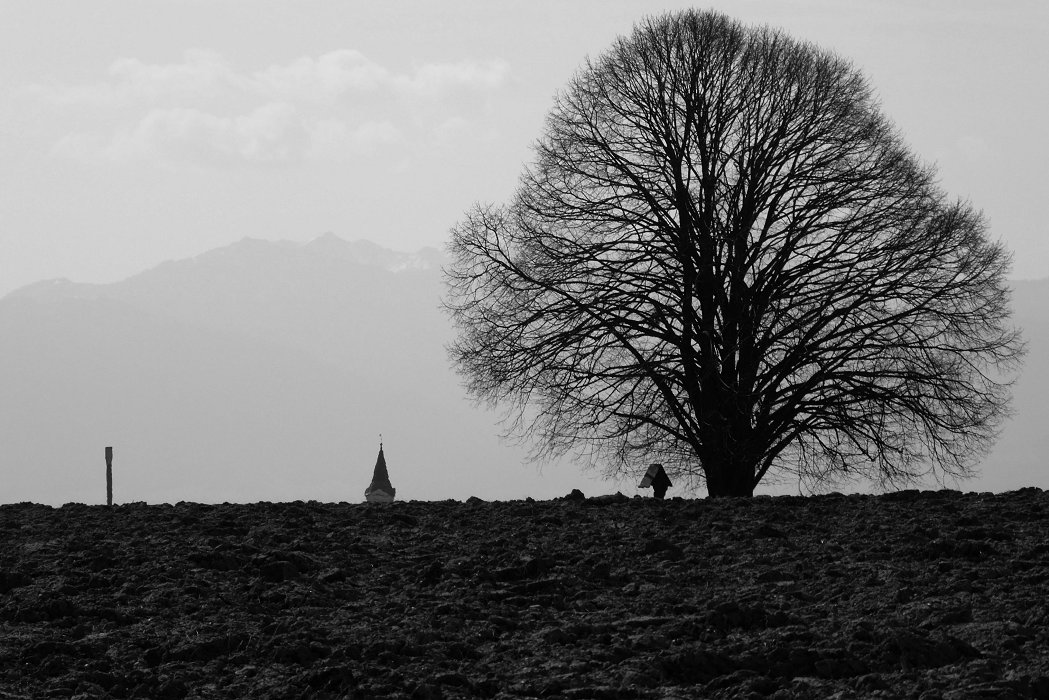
(340,302)
(256,371)
(266,371)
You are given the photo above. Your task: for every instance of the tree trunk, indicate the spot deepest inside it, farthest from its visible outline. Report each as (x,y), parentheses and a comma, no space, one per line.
(728,477)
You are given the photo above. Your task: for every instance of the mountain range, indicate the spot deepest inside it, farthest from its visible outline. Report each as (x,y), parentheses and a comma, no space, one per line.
(268,370)
(257,371)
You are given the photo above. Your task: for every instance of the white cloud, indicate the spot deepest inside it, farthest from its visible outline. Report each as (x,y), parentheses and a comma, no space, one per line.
(323,78)
(202,110)
(204,74)
(434,79)
(339,73)
(201,74)
(274,134)
(271,134)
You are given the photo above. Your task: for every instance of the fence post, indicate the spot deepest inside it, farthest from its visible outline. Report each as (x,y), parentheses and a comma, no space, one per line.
(109,476)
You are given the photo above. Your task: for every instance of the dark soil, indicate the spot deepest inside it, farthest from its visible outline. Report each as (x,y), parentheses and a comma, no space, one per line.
(931,594)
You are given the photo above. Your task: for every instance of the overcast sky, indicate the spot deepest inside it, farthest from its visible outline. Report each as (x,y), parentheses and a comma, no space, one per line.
(136,131)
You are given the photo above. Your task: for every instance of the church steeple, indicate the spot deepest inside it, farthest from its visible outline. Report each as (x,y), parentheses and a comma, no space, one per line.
(380,490)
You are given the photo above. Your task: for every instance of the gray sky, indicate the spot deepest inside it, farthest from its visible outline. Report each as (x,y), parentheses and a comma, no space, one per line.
(135,131)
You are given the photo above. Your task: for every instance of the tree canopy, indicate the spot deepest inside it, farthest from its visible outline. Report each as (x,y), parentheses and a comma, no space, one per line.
(725,258)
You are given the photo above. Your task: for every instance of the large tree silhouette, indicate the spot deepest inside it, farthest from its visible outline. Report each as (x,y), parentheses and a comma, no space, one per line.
(724,258)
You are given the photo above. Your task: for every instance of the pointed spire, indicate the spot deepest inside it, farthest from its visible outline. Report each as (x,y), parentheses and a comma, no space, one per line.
(380,490)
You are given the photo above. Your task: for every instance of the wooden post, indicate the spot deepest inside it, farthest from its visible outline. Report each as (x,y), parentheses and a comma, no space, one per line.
(109,476)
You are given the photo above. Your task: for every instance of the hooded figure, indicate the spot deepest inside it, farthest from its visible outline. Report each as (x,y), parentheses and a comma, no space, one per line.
(380,490)
(657,479)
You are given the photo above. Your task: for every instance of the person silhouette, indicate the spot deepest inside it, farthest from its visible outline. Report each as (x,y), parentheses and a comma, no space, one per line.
(657,478)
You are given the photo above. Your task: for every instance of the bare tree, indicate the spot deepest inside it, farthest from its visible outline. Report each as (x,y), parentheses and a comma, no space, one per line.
(724,258)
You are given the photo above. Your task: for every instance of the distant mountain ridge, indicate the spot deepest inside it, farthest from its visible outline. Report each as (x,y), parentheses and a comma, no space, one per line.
(328,297)
(257,371)
(357,252)
(362,252)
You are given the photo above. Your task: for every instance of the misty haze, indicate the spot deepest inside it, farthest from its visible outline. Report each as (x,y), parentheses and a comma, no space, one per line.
(266,371)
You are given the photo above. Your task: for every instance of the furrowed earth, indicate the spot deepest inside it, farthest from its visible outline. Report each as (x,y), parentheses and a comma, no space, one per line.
(912,594)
